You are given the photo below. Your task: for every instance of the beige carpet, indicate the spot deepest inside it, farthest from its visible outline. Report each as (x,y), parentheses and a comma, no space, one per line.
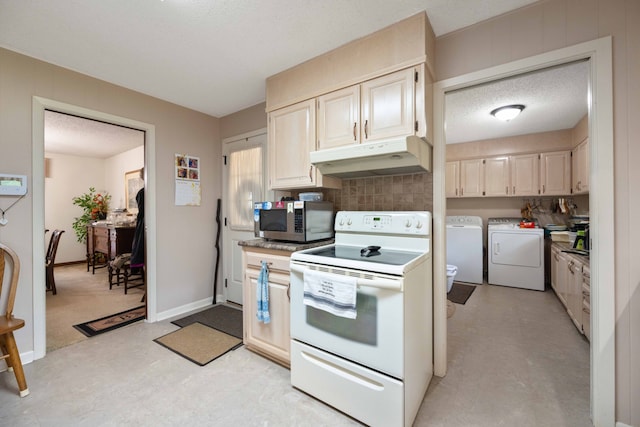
(82,297)
(199,343)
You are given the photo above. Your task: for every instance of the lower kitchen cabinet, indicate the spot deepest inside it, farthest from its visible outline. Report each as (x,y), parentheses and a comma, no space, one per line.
(272,339)
(568,282)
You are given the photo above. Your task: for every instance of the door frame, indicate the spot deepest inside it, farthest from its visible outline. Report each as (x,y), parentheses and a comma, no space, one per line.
(601,196)
(39,105)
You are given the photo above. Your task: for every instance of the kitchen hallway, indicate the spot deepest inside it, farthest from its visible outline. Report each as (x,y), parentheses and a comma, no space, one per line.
(515,358)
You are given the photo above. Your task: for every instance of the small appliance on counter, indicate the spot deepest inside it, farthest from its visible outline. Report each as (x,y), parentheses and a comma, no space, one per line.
(293,220)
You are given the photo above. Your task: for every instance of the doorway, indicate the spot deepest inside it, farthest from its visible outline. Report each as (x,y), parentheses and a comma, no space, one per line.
(39,106)
(244,180)
(599,54)
(84,154)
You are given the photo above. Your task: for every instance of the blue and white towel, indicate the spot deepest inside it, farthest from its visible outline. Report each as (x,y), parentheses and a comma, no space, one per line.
(333,293)
(262,294)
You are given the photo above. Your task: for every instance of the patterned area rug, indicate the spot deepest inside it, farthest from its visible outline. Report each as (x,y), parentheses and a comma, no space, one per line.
(114,321)
(199,343)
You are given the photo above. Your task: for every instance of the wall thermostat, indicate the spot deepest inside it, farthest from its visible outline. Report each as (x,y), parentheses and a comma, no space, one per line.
(13,185)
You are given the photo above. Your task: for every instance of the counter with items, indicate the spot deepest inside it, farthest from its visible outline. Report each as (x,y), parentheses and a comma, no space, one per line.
(266,326)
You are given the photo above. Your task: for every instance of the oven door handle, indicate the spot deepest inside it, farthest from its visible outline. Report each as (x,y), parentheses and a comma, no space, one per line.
(392,285)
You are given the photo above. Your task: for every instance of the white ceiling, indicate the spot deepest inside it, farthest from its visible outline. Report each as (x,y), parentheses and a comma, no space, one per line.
(554,99)
(214,56)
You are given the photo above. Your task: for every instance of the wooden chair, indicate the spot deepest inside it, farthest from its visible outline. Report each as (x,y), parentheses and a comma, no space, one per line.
(50,260)
(8,323)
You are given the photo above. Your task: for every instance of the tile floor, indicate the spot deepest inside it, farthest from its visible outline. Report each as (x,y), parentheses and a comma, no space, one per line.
(515,359)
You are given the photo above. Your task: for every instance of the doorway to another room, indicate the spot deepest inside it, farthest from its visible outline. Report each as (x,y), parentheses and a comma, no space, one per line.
(75,279)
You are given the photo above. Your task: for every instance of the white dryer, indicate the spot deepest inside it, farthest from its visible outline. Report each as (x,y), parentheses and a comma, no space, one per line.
(516,255)
(464,247)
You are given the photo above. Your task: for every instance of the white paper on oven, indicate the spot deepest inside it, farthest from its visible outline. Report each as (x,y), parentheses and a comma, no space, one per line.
(332,293)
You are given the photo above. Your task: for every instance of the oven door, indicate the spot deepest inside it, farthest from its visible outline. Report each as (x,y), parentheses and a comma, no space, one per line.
(374,338)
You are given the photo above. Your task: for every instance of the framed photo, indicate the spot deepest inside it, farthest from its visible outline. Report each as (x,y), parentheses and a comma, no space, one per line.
(187,167)
(133,182)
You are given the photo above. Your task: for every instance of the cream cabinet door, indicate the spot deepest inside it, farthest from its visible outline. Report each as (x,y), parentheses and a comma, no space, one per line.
(580,169)
(452,179)
(574,292)
(496,176)
(292,136)
(388,106)
(471,178)
(270,339)
(524,175)
(339,118)
(555,173)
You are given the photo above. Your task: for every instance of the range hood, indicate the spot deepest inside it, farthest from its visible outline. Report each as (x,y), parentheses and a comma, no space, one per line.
(389,157)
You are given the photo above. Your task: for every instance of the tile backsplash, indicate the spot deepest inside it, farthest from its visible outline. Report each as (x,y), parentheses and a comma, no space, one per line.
(413,192)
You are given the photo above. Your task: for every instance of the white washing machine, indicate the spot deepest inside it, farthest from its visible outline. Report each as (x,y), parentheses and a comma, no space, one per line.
(516,255)
(464,247)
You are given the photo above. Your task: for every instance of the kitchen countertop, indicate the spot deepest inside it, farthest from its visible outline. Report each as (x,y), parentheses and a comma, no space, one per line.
(283,246)
(565,246)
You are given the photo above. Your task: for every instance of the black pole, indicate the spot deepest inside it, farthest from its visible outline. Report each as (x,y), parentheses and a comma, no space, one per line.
(215,275)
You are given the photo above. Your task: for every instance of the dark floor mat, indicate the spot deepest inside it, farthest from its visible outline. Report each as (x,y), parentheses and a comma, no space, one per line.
(220,317)
(460,293)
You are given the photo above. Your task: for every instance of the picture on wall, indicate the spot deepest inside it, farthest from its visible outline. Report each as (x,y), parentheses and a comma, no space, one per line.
(133,182)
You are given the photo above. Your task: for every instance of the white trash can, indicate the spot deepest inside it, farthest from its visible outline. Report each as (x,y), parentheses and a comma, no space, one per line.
(452,270)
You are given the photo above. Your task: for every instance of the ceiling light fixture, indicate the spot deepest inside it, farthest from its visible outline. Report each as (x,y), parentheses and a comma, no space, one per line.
(507,112)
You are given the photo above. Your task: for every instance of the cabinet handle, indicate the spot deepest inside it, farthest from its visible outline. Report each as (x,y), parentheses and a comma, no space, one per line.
(578,185)
(354,131)
(456,191)
(506,189)
(310,170)
(289,291)
(544,190)
(461,192)
(366,129)
(514,190)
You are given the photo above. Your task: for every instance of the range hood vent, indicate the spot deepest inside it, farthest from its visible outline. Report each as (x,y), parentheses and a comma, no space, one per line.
(391,157)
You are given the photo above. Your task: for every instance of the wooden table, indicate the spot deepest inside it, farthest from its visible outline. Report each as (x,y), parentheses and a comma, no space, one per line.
(105,242)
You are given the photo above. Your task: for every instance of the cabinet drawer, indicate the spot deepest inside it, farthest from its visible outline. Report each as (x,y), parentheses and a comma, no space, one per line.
(276,262)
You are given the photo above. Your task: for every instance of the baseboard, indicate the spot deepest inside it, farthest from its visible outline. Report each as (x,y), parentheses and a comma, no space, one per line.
(619,424)
(184,310)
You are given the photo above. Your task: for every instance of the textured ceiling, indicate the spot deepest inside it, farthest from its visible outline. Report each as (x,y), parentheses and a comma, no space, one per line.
(212,56)
(554,99)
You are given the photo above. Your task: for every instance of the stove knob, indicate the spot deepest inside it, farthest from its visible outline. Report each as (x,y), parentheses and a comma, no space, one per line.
(408,223)
(419,225)
(349,221)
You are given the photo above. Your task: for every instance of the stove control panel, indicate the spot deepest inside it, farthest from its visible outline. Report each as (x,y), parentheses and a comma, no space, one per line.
(393,222)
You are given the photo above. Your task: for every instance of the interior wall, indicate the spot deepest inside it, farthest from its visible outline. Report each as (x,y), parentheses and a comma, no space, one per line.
(244,121)
(550,25)
(69,177)
(185,235)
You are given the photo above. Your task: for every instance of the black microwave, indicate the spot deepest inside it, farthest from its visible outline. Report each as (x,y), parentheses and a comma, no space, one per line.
(294,220)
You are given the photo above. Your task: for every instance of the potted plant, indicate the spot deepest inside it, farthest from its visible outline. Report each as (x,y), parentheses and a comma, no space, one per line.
(94,207)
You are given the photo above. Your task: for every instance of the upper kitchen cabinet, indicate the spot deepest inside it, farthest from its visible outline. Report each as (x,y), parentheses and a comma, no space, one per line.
(452,179)
(580,169)
(376,109)
(555,173)
(524,175)
(388,106)
(339,118)
(292,136)
(472,178)
(496,176)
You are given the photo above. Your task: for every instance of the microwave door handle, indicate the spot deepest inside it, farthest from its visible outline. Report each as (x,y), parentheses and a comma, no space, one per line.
(392,285)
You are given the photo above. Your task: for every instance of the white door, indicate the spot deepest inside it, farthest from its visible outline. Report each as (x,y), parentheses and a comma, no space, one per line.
(243,184)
